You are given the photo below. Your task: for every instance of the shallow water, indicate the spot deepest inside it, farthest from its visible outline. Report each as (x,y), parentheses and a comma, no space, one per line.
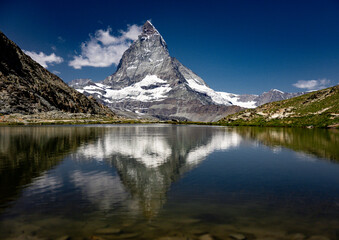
(180,182)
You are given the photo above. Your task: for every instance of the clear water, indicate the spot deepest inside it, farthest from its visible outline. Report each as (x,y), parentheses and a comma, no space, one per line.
(179,182)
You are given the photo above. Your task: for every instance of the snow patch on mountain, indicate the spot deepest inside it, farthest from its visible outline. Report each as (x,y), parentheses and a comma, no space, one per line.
(222,98)
(217,98)
(235,100)
(151,88)
(277,90)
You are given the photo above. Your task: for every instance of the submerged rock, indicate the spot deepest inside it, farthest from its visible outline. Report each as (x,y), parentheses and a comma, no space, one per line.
(297,236)
(206,237)
(172,238)
(318,237)
(64,238)
(108,231)
(96,238)
(237,236)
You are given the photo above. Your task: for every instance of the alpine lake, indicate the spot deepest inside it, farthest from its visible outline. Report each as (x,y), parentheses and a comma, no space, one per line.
(153,181)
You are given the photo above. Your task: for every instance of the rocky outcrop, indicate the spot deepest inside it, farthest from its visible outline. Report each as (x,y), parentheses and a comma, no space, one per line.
(26,87)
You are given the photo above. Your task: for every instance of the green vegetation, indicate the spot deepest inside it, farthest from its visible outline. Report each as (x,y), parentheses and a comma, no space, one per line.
(316,109)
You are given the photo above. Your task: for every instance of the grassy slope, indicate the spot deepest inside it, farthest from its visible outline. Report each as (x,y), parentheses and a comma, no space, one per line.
(318,109)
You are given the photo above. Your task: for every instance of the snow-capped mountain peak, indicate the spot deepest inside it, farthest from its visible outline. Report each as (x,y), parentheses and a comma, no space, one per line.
(276,90)
(150,83)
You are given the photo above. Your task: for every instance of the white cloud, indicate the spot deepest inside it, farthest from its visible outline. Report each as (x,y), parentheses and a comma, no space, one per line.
(105,37)
(312,84)
(44,59)
(56,72)
(105,49)
(132,32)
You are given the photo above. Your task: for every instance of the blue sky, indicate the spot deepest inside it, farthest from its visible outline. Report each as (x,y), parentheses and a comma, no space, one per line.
(235,46)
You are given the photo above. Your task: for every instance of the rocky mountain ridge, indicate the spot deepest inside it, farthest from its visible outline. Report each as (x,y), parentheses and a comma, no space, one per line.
(266,97)
(27,88)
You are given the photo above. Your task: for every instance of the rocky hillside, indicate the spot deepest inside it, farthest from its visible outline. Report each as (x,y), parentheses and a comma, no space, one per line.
(26,87)
(314,109)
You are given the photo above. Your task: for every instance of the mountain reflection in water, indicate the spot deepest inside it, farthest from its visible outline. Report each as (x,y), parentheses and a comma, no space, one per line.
(148,159)
(154,157)
(74,180)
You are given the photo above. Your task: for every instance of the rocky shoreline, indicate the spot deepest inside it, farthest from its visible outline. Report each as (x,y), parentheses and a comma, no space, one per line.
(195,232)
(59,117)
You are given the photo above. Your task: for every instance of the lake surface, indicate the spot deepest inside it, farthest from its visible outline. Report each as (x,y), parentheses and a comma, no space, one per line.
(180,182)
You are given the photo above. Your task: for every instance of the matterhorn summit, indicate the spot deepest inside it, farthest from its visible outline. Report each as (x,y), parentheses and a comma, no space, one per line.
(149,83)
(147,63)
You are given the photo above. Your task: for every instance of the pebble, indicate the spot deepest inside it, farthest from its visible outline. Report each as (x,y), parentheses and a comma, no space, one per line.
(172,238)
(127,235)
(64,238)
(318,238)
(197,231)
(206,237)
(96,238)
(188,220)
(297,236)
(108,231)
(237,236)
(267,238)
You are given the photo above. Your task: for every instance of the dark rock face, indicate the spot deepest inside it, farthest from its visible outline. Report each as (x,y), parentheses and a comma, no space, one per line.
(26,87)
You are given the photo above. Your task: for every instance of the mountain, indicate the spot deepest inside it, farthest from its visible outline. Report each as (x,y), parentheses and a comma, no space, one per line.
(271,96)
(314,109)
(149,82)
(26,87)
